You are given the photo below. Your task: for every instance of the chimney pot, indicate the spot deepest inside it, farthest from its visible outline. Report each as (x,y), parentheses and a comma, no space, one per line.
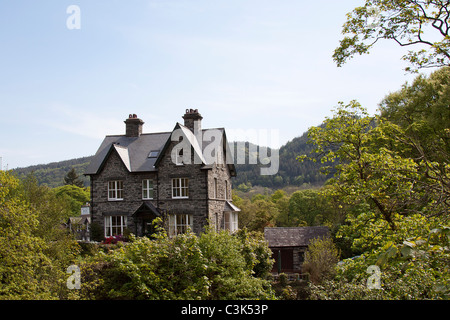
(193,120)
(133,126)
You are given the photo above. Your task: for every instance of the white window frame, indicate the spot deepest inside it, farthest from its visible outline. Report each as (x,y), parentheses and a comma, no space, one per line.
(179,223)
(148,191)
(180,188)
(115,190)
(230,221)
(114,224)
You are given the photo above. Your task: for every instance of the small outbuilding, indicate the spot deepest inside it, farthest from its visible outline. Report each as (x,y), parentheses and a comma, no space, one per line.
(289,245)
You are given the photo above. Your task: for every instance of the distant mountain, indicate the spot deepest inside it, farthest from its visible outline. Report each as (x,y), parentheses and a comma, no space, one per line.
(291,172)
(52,174)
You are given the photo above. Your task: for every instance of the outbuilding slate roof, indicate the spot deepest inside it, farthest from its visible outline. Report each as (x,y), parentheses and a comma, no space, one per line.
(294,236)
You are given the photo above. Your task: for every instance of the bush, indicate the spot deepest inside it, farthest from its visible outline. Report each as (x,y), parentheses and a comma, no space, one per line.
(210,266)
(321,259)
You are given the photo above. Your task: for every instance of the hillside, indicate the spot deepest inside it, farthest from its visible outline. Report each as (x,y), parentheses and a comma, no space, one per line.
(291,172)
(52,174)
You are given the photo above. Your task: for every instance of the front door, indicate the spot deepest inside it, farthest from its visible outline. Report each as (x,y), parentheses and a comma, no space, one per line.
(284,260)
(147,227)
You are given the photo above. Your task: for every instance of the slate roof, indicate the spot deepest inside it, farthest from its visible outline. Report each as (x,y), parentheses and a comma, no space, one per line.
(134,151)
(295,236)
(79,220)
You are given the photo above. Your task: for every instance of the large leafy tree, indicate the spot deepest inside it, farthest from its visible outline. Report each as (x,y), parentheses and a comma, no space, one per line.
(366,173)
(420,113)
(396,162)
(420,24)
(24,268)
(393,170)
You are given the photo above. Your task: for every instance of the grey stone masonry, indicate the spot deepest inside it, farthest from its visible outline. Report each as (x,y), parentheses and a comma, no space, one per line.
(134,180)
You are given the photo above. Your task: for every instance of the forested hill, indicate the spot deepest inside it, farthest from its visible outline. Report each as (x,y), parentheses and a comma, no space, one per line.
(291,172)
(52,174)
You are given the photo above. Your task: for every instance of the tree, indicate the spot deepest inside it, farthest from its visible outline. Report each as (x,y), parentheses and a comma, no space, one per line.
(419,114)
(73,196)
(305,206)
(25,271)
(415,267)
(367,171)
(257,215)
(321,259)
(210,266)
(424,24)
(72,178)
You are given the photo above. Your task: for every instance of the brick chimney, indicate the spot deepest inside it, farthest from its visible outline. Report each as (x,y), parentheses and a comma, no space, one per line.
(193,120)
(133,126)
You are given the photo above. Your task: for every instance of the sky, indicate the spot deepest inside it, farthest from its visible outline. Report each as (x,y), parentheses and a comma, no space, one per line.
(68,79)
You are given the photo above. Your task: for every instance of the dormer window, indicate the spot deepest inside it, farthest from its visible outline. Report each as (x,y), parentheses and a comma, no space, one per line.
(153,154)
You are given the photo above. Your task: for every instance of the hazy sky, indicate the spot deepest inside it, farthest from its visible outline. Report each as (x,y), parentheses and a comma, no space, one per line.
(245,64)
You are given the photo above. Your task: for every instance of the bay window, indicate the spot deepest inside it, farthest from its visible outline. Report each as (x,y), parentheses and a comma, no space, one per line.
(230,221)
(179,223)
(115,225)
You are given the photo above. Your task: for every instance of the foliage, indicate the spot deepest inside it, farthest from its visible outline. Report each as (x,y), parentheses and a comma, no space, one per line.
(74,197)
(393,172)
(320,259)
(257,254)
(73,179)
(423,24)
(375,168)
(306,207)
(258,214)
(34,252)
(420,115)
(416,268)
(210,266)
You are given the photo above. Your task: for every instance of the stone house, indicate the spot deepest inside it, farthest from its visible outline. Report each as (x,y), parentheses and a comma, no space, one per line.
(181,176)
(289,245)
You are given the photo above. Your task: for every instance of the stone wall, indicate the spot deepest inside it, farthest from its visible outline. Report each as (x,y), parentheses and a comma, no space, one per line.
(216,202)
(196,204)
(114,169)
